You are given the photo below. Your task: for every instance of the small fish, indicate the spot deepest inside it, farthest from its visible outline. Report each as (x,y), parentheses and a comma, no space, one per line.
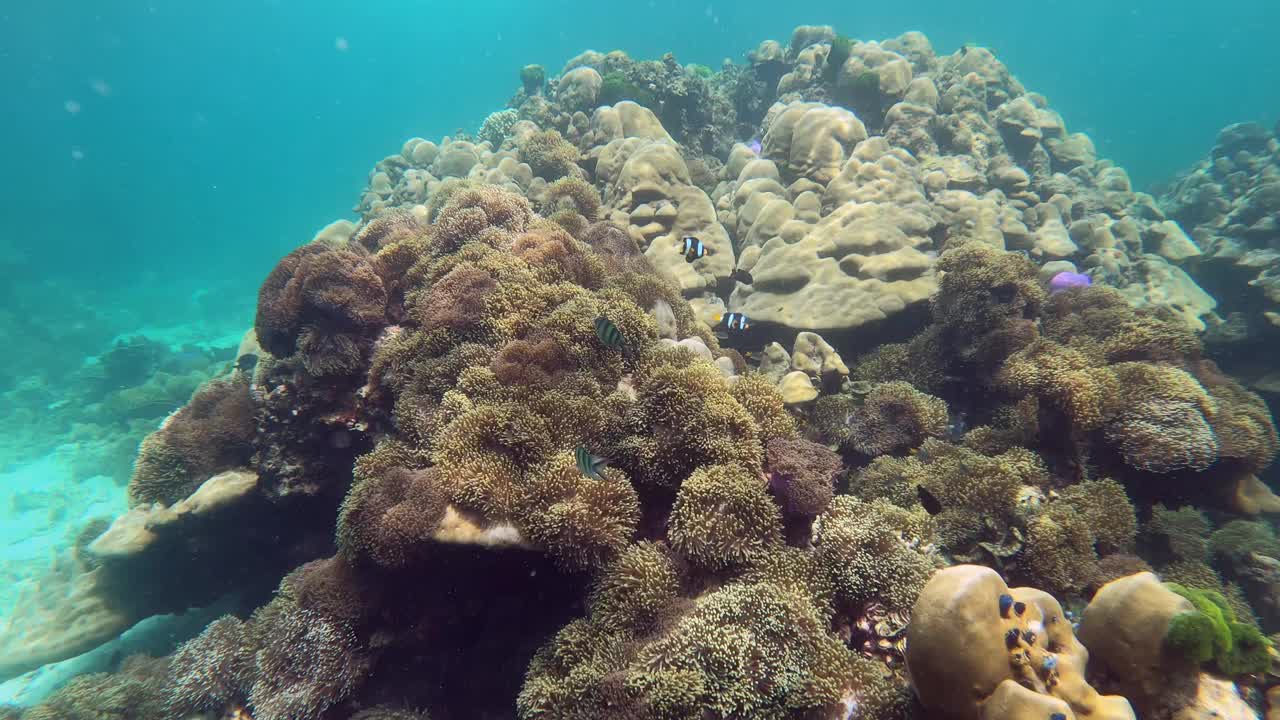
(1006,604)
(588,464)
(933,506)
(693,248)
(734,321)
(246,363)
(1066,280)
(742,276)
(1057,716)
(608,333)
(1019,608)
(755,146)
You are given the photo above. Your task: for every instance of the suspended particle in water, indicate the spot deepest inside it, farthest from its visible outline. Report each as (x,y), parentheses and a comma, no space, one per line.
(72,107)
(340,44)
(77,153)
(100,87)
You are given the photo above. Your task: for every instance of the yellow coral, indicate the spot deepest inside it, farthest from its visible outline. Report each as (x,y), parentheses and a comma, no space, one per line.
(723,517)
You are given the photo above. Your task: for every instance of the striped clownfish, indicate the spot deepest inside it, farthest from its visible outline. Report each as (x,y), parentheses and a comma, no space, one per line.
(734,321)
(693,248)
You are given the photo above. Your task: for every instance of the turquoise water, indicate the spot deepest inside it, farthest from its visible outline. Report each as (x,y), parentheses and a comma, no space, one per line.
(160,157)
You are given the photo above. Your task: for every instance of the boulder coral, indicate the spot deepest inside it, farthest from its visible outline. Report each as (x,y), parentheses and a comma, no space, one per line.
(1149,639)
(978,649)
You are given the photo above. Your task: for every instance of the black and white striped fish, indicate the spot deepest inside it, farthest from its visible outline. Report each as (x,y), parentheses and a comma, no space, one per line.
(608,333)
(588,464)
(693,248)
(734,321)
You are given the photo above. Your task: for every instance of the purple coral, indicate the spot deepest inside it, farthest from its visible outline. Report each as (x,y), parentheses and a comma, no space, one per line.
(1066,280)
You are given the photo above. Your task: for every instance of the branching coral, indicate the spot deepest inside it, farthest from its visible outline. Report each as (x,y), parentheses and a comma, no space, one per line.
(723,517)
(760,397)
(388,517)
(212,433)
(101,696)
(582,522)
(325,303)
(983,291)
(213,671)
(1183,533)
(801,474)
(549,154)
(575,193)
(893,417)
(1059,554)
(875,551)
(1108,512)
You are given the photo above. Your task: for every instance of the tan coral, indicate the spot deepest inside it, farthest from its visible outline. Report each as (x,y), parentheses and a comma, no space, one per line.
(797,388)
(857,265)
(79,604)
(816,357)
(648,189)
(811,140)
(1250,496)
(1124,628)
(969,661)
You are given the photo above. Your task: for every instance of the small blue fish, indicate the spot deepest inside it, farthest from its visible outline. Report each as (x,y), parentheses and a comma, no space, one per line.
(588,464)
(693,248)
(1006,604)
(734,321)
(1057,716)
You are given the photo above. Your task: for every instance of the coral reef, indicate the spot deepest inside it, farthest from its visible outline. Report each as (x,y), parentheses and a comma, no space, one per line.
(508,448)
(1227,205)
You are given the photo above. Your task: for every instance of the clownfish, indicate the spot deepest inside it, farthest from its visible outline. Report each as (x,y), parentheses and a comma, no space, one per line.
(693,248)
(734,321)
